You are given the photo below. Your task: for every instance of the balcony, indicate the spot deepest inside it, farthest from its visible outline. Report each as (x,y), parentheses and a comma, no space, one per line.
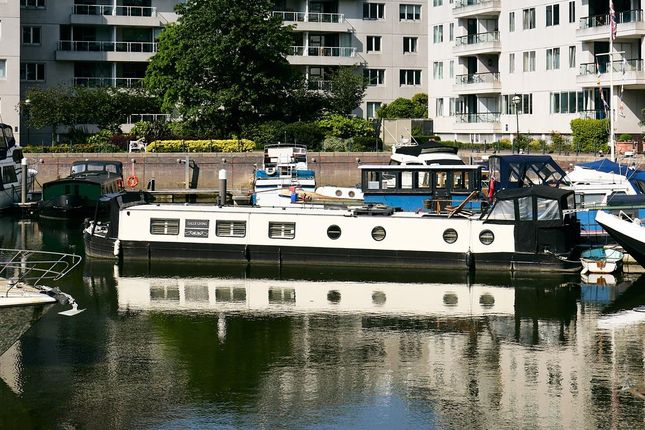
(479,43)
(99,14)
(97,82)
(318,85)
(592,114)
(629,24)
(478,83)
(628,73)
(485,122)
(471,8)
(68,50)
(323,56)
(313,21)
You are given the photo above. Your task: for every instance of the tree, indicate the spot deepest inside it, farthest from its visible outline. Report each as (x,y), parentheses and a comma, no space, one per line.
(50,107)
(223,63)
(417,107)
(347,90)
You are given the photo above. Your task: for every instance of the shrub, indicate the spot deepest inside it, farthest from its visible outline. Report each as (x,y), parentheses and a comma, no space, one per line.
(100,138)
(306,133)
(335,144)
(230,145)
(366,144)
(590,135)
(345,127)
(67,148)
(625,137)
(504,143)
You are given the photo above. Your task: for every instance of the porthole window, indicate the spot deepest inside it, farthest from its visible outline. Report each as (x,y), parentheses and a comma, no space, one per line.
(378,233)
(333,297)
(378,298)
(333,232)
(339,193)
(352,194)
(486,237)
(450,235)
(487,300)
(450,299)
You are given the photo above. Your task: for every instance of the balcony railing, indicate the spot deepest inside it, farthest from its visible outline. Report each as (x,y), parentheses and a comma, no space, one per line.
(106,46)
(148,117)
(318,85)
(485,117)
(460,4)
(472,39)
(100,9)
(592,114)
(333,18)
(477,78)
(618,67)
(621,17)
(95,82)
(323,51)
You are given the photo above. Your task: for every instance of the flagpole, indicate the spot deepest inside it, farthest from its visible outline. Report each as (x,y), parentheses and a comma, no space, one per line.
(612,29)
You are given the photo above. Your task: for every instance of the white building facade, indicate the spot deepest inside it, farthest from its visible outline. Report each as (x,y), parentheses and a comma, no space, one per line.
(497,66)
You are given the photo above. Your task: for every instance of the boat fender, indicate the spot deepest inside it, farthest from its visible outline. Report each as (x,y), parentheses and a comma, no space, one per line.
(117,247)
(133,181)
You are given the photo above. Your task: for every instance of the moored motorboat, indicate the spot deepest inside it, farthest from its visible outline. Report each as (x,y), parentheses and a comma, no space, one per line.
(626,231)
(601,260)
(11,157)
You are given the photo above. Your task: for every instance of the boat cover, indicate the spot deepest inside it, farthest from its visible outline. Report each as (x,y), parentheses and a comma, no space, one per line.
(517,171)
(635,176)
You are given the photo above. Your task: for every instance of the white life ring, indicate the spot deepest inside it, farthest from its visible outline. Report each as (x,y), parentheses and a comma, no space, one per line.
(270,171)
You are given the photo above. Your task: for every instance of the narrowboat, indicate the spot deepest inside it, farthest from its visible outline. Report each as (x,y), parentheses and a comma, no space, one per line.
(78,195)
(526,229)
(11,169)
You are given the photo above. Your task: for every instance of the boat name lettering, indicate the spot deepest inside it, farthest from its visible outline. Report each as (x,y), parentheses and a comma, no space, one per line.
(196,233)
(197,223)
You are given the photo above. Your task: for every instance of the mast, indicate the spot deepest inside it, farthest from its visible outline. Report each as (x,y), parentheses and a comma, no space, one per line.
(612,34)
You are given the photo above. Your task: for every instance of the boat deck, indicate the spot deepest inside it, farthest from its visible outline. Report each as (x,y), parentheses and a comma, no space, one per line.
(20,294)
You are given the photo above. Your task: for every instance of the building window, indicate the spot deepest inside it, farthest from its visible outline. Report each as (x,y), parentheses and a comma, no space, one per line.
(572,57)
(439,106)
(568,101)
(437,70)
(451,31)
(511,21)
(373,10)
(410,44)
(553,15)
(230,228)
(374,77)
(372,108)
(511,63)
(524,107)
(32,71)
(452,69)
(373,43)
(166,227)
(436,3)
(282,230)
(32,3)
(410,77)
(410,12)
(572,11)
(553,59)
(438,33)
(528,18)
(528,64)
(3,69)
(30,35)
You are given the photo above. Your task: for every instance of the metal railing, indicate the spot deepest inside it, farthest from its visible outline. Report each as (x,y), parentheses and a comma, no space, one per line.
(323,51)
(101,9)
(592,114)
(332,18)
(106,46)
(473,39)
(477,78)
(318,85)
(602,20)
(460,4)
(148,117)
(485,117)
(618,67)
(108,82)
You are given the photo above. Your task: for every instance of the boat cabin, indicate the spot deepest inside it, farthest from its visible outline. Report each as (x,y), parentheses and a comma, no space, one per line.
(414,187)
(95,167)
(7,140)
(517,171)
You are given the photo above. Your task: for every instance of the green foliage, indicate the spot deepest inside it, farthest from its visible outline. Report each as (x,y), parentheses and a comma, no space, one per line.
(151,130)
(67,148)
(504,143)
(417,107)
(230,145)
(345,127)
(366,144)
(266,133)
(100,138)
(306,133)
(347,90)
(223,64)
(589,135)
(625,137)
(336,144)
(521,142)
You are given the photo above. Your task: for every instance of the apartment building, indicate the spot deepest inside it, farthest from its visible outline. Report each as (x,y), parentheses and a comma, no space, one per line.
(497,66)
(109,42)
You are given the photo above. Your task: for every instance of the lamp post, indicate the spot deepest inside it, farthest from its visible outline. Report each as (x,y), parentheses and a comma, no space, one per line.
(516,102)
(27,103)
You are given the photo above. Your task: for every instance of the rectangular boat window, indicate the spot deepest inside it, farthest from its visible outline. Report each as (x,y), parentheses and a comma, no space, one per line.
(441,178)
(389,181)
(163,293)
(282,296)
(458,182)
(503,210)
(548,210)
(373,180)
(423,180)
(590,200)
(525,205)
(9,175)
(230,294)
(282,230)
(230,228)
(169,227)
(406,180)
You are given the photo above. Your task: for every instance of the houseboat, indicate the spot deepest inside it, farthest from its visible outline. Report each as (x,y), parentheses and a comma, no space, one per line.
(11,169)
(526,229)
(78,195)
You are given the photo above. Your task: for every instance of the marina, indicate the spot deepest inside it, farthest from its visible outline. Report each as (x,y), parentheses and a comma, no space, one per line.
(237,346)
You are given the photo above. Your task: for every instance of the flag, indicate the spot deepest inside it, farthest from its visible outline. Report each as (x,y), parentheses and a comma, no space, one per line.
(621,107)
(602,97)
(612,20)
(624,65)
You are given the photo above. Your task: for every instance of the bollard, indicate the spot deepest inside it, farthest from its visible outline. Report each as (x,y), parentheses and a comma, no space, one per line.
(221,198)
(23,185)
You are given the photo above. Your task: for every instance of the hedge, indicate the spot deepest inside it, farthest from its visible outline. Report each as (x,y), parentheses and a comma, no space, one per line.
(80,148)
(230,145)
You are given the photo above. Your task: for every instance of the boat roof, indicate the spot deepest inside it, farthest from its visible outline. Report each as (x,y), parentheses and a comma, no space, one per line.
(425,148)
(97,163)
(421,167)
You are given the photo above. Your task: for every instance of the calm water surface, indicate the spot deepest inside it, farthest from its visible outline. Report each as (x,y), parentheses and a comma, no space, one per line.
(167,347)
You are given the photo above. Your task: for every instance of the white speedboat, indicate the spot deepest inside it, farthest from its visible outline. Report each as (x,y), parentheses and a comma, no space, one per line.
(626,231)
(12,170)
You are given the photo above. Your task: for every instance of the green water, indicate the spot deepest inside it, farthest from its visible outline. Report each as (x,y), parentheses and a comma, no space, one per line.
(167,347)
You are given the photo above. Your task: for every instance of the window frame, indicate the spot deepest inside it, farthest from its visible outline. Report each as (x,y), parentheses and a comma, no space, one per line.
(285,234)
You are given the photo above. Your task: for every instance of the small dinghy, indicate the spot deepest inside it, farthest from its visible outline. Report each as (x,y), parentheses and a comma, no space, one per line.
(601,260)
